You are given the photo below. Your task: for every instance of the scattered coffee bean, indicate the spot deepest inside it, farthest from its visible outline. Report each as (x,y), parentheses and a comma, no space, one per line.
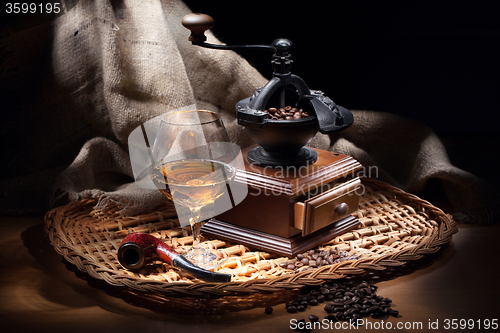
(313,318)
(316,258)
(338,301)
(313,302)
(331,317)
(268,310)
(324,291)
(348,301)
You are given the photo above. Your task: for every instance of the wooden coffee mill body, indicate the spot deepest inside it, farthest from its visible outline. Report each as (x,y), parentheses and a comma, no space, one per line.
(298,197)
(289,214)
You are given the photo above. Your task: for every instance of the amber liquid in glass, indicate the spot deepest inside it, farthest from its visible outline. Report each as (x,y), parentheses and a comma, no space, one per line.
(192,183)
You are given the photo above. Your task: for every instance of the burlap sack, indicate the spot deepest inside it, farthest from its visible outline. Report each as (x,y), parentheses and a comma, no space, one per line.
(79,83)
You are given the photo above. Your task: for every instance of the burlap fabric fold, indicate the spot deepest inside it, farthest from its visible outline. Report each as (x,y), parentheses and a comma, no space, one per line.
(78,83)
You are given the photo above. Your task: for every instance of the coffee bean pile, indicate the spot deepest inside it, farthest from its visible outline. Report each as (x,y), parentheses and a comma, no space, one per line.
(345,301)
(317,258)
(286,113)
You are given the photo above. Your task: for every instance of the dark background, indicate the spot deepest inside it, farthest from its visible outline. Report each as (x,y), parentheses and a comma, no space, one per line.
(437,62)
(433,61)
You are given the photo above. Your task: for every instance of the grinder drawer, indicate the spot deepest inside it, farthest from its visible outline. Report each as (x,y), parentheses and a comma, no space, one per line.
(326,208)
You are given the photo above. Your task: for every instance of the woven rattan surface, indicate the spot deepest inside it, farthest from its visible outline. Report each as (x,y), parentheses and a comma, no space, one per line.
(396,227)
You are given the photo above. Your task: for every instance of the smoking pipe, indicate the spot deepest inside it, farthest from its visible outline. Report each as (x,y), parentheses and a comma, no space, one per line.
(138,249)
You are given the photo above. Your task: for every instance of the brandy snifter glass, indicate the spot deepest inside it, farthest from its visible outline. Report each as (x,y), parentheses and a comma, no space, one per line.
(192,162)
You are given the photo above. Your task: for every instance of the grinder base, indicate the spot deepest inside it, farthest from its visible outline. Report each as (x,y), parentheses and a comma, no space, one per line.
(288,247)
(289,210)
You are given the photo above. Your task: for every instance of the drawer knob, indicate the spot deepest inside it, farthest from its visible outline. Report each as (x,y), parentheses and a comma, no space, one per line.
(341,209)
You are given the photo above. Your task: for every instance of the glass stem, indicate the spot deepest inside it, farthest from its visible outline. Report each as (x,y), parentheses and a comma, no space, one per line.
(195,225)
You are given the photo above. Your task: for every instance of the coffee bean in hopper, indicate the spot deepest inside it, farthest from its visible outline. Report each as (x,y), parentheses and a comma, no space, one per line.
(286,113)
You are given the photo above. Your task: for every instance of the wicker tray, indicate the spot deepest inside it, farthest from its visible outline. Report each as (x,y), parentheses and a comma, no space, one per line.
(396,227)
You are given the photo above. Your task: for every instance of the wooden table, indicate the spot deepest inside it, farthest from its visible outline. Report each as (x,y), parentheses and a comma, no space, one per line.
(40,293)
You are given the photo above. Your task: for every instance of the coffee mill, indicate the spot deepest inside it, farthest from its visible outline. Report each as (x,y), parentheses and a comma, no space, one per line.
(298,197)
